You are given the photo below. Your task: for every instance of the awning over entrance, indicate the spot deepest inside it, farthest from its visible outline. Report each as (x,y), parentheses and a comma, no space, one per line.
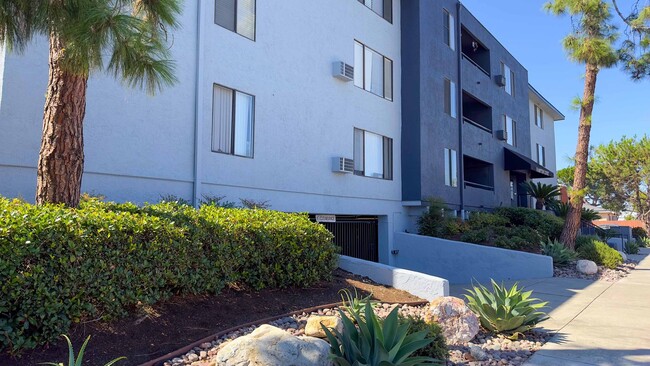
(516,161)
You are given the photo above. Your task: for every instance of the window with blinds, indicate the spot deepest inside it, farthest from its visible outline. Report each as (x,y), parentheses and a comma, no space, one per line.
(237,16)
(232,122)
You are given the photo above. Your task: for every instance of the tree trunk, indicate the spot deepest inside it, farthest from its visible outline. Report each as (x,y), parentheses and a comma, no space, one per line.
(572,223)
(61,159)
(539,203)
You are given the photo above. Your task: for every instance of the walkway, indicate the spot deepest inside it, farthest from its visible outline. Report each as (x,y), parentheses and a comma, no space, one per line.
(612,328)
(596,323)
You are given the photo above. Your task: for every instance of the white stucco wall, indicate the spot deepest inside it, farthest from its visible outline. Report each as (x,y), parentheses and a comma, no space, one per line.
(545,137)
(138,147)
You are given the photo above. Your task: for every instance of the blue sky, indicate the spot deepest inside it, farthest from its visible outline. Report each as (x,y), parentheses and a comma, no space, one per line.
(534,38)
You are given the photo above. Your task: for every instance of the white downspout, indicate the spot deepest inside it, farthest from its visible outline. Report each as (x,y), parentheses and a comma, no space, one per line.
(198,110)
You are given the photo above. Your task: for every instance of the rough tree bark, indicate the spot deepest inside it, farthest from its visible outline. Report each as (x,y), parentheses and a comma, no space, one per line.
(61,159)
(572,224)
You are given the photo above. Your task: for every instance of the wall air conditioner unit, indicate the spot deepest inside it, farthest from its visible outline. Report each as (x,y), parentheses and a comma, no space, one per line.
(343,71)
(502,135)
(342,165)
(500,80)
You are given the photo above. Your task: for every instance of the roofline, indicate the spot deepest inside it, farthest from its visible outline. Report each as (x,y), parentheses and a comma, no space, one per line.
(561,116)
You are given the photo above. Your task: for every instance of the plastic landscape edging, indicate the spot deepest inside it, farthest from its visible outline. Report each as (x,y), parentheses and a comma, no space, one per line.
(179,352)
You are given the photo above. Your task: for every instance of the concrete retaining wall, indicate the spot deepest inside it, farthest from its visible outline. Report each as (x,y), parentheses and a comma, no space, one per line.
(460,263)
(419,284)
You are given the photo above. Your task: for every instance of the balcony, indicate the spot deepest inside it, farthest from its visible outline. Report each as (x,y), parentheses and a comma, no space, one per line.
(475,52)
(476,112)
(478,173)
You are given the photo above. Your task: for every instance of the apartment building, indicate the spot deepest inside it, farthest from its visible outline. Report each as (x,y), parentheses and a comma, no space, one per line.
(543,116)
(465,112)
(352,111)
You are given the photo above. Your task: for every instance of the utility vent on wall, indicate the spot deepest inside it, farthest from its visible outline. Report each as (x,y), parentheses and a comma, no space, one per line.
(342,165)
(343,71)
(500,80)
(502,135)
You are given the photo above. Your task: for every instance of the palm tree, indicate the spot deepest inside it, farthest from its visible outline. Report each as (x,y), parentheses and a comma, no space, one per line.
(542,193)
(562,210)
(124,37)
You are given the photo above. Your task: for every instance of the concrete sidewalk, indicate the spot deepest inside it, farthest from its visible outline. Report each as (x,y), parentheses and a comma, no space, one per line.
(596,322)
(601,324)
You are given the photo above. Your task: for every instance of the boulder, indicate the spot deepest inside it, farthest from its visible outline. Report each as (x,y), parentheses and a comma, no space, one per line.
(623,255)
(478,353)
(314,329)
(271,346)
(459,324)
(587,267)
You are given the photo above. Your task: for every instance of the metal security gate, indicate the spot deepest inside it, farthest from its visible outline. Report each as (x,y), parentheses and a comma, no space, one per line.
(357,236)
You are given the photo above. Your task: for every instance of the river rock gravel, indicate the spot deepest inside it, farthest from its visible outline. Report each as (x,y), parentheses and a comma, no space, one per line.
(491,349)
(603,274)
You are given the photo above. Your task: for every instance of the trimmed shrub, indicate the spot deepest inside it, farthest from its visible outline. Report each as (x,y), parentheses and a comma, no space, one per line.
(545,224)
(585,239)
(601,253)
(60,265)
(438,348)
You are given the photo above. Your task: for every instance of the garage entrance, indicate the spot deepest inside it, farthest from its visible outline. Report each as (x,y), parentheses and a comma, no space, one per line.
(357,236)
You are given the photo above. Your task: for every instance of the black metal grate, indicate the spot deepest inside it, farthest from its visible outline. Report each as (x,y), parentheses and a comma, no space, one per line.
(357,237)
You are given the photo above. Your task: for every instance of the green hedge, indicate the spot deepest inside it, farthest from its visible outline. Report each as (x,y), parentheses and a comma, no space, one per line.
(507,227)
(599,252)
(59,265)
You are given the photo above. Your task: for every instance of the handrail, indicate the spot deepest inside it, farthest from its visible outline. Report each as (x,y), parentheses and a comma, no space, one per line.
(475,63)
(478,185)
(465,119)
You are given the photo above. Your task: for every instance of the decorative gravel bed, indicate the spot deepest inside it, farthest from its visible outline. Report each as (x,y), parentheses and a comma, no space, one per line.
(604,273)
(485,349)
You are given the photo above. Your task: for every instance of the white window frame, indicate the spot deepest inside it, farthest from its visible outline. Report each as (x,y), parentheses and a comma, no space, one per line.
(449,27)
(507,72)
(539,117)
(541,155)
(361,152)
(234,146)
(510,126)
(450,98)
(451,168)
(363,71)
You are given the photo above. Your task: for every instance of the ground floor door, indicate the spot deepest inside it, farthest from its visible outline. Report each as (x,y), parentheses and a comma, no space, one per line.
(518,194)
(357,236)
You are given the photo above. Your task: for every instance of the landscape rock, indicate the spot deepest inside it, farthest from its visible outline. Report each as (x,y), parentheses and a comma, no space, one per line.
(586,267)
(478,353)
(623,255)
(314,329)
(459,324)
(271,346)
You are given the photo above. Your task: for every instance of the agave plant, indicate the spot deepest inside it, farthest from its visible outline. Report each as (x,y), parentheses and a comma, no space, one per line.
(503,310)
(78,360)
(542,193)
(559,252)
(353,303)
(375,343)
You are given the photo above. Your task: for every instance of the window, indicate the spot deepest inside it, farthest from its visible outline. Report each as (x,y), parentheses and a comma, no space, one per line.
(511,130)
(233,113)
(541,155)
(539,117)
(383,8)
(373,155)
(372,71)
(451,105)
(237,16)
(451,168)
(450,29)
(510,79)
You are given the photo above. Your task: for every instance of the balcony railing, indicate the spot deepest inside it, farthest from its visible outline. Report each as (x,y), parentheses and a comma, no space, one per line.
(475,64)
(465,119)
(479,186)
